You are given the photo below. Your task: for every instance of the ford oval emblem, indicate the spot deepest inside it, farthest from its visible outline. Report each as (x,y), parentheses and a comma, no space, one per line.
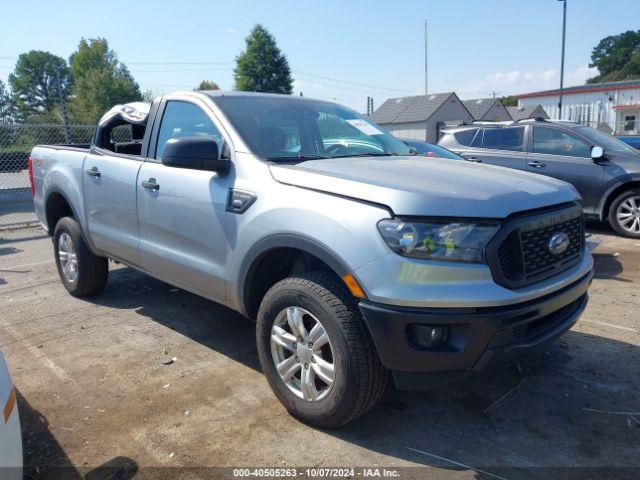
(558,243)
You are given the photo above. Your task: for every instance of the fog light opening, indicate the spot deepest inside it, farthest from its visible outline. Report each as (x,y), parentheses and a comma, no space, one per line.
(427,336)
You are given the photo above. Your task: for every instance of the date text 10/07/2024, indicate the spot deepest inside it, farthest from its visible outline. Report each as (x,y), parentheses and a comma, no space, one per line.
(316,473)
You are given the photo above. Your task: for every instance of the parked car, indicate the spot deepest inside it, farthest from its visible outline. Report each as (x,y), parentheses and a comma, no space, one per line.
(604,170)
(10,436)
(355,262)
(429,149)
(632,141)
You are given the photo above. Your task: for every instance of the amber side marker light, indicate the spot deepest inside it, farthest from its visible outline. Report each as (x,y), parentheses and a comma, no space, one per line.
(8,407)
(353,286)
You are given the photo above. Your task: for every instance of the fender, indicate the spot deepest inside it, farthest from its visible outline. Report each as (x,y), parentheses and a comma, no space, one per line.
(620,181)
(78,218)
(282,240)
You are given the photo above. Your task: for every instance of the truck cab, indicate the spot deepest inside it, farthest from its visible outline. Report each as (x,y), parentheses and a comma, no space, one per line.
(360,260)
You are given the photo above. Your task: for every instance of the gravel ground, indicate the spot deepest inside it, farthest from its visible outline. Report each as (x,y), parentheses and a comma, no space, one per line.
(95,396)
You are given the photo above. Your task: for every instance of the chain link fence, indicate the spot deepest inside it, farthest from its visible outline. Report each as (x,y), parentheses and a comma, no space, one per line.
(16,142)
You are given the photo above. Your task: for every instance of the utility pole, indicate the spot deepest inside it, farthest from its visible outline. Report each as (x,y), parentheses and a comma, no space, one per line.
(63,108)
(369,106)
(564,31)
(426,78)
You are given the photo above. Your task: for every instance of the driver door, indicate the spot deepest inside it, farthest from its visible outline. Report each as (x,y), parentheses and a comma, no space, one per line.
(181,211)
(560,154)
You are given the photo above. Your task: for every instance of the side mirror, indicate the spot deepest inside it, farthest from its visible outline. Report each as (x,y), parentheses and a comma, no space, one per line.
(597,153)
(198,153)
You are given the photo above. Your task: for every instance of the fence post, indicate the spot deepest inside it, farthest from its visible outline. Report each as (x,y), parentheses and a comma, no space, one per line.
(63,109)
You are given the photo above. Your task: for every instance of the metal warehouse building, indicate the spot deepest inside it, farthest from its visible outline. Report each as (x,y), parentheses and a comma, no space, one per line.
(422,116)
(611,106)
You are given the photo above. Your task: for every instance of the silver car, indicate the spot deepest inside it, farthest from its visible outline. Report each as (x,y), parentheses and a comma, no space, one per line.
(10,436)
(360,260)
(604,170)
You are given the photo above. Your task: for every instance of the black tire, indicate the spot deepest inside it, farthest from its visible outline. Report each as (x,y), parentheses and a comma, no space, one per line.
(92,271)
(613,217)
(360,378)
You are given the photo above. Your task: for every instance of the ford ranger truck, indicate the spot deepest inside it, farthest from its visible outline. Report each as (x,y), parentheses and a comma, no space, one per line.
(360,261)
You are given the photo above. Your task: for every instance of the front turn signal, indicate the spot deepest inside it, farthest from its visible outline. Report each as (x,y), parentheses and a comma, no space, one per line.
(8,407)
(352,285)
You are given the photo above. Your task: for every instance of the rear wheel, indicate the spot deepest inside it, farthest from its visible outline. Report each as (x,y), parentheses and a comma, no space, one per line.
(624,214)
(81,272)
(316,351)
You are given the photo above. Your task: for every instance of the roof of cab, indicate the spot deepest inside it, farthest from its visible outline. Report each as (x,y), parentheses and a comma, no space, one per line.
(133,112)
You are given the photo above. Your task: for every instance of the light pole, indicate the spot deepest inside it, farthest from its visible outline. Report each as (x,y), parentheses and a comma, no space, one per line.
(426,81)
(564,31)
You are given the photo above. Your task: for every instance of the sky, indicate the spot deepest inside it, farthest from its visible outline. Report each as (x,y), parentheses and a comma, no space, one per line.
(337,50)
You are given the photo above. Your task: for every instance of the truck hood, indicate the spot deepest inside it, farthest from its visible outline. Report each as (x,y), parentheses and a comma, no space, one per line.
(428,186)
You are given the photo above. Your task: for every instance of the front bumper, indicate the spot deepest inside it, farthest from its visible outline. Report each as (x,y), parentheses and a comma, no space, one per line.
(477,337)
(10,446)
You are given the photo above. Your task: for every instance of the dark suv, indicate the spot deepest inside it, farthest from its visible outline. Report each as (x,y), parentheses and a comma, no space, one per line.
(604,170)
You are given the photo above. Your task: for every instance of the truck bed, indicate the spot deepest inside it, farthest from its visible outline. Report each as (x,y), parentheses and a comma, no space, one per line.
(62,166)
(67,146)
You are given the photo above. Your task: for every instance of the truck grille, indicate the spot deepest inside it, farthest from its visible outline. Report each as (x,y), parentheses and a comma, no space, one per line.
(521,253)
(537,257)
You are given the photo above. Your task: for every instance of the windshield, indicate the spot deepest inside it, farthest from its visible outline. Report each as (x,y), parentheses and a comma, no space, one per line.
(431,150)
(284,129)
(607,142)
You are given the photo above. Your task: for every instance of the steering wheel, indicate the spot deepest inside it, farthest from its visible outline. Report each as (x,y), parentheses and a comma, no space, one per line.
(337,149)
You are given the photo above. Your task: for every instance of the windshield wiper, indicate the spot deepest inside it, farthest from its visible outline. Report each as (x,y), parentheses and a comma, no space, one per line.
(303,157)
(367,155)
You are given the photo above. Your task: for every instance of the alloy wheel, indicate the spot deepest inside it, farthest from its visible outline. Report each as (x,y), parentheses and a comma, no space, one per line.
(68,257)
(628,214)
(302,353)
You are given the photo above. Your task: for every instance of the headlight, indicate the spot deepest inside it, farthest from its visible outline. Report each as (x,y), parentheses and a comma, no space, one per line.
(438,240)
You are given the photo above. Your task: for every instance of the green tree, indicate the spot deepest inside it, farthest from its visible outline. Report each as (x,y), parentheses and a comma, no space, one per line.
(148,96)
(208,85)
(34,83)
(7,106)
(509,101)
(617,57)
(262,67)
(100,81)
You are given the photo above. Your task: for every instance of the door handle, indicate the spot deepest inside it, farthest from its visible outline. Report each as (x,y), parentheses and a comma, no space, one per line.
(473,159)
(151,184)
(93,172)
(537,164)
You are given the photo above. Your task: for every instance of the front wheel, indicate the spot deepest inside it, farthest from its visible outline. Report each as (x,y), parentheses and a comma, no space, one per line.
(624,214)
(316,351)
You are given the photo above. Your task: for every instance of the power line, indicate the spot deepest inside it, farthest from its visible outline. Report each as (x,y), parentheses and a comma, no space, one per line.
(353,83)
(178,63)
(375,87)
(171,70)
(221,66)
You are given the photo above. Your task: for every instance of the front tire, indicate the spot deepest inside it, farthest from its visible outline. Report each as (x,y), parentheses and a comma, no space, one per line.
(316,351)
(81,271)
(624,214)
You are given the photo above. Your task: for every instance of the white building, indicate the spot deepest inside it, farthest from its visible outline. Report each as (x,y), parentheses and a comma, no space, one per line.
(487,109)
(611,106)
(422,116)
(527,111)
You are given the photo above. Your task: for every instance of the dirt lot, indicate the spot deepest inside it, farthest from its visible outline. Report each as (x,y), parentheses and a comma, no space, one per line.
(94,392)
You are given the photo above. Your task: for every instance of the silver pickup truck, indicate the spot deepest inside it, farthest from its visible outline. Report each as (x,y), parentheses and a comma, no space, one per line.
(360,260)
